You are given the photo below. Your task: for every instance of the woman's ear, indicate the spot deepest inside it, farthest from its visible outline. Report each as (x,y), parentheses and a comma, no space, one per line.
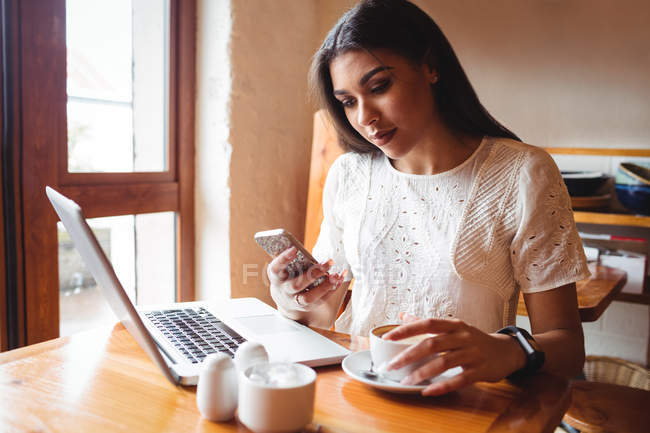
(432,75)
(430,65)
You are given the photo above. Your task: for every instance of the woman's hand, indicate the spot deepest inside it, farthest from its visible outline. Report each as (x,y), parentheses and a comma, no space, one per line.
(483,357)
(290,294)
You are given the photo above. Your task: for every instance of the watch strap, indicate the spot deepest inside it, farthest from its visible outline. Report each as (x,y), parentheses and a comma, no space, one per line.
(534,357)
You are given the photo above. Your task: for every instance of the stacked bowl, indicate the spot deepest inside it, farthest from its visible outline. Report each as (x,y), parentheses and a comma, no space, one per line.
(633,186)
(583,183)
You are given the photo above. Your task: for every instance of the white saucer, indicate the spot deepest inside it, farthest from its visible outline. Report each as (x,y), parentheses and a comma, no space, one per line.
(355,363)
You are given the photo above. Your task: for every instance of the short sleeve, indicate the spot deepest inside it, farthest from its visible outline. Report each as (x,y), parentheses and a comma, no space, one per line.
(330,244)
(546,250)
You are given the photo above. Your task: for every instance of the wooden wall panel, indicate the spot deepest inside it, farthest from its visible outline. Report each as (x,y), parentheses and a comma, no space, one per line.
(43,98)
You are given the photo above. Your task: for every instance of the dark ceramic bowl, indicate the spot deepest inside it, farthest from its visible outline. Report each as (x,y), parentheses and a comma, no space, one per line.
(630,173)
(635,198)
(583,183)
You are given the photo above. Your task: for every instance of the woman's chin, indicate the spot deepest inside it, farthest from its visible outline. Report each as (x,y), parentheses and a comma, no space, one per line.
(392,153)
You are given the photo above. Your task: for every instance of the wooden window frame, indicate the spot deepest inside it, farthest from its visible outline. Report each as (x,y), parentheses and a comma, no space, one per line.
(3,273)
(40,47)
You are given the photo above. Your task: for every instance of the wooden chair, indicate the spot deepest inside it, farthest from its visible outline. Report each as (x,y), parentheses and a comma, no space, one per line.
(602,403)
(605,407)
(324,150)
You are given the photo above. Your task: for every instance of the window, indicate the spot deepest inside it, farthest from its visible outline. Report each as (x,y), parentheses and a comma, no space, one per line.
(117,116)
(115,137)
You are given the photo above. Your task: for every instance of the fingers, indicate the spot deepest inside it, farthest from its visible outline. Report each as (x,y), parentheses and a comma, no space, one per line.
(303,281)
(423,326)
(277,271)
(436,344)
(278,264)
(438,365)
(306,299)
(336,281)
(323,290)
(407,318)
(452,384)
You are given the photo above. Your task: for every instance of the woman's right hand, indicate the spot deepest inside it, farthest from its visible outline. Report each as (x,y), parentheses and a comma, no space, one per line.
(290,294)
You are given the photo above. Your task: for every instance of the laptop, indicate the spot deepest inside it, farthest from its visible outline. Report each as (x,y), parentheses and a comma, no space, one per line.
(177,337)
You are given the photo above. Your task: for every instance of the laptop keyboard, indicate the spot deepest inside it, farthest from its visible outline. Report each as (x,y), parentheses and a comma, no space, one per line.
(196,333)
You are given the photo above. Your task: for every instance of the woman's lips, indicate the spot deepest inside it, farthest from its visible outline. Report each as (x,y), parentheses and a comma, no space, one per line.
(383,137)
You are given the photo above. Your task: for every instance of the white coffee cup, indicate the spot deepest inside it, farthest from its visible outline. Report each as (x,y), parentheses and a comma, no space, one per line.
(383,351)
(267,405)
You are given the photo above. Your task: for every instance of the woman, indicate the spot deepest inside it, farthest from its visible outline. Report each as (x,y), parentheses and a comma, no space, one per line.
(437,211)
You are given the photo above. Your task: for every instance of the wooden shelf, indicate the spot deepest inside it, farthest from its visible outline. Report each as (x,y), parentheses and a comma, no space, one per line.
(613,219)
(607,218)
(600,151)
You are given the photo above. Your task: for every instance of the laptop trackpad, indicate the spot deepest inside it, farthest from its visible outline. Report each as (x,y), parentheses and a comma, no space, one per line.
(267,324)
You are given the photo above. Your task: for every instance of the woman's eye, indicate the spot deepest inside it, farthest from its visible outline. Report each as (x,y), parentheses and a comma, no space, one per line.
(347,103)
(380,87)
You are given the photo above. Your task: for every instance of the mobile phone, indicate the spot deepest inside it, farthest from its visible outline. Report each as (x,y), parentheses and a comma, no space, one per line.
(276,241)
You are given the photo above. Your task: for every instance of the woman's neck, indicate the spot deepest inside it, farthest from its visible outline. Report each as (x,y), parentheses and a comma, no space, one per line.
(441,152)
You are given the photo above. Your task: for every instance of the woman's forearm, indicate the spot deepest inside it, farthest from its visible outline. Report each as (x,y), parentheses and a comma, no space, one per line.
(556,326)
(564,350)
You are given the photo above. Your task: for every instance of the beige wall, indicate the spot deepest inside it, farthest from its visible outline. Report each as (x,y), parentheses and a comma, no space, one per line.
(272,42)
(559,73)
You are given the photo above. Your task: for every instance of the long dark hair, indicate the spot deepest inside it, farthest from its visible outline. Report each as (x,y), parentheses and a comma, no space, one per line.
(403,28)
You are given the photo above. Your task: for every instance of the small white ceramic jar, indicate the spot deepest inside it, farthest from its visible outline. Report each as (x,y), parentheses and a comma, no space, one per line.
(249,354)
(269,406)
(216,392)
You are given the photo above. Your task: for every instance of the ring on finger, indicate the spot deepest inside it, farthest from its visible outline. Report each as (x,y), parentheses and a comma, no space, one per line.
(297,298)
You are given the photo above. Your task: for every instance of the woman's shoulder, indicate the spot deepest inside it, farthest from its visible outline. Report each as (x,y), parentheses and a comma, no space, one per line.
(533,158)
(351,163)
(349,173)
(529,151)
(349,160)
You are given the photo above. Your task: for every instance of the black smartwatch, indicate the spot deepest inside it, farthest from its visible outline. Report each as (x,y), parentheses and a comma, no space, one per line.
(534,355)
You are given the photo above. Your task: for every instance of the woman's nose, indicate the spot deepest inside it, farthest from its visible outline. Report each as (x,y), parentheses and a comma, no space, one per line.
(367,114)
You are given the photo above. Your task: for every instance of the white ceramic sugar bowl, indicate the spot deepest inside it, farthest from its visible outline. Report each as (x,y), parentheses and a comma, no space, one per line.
(216,392)
(276,397)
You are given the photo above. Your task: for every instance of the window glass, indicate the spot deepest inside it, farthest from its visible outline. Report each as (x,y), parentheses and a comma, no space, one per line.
(117,80)
(141,249)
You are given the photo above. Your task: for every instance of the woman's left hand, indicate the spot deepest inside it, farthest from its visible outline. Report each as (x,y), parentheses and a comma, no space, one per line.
(483,357)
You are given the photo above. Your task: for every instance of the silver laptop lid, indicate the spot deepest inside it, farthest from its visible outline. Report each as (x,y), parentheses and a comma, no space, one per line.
(86,243)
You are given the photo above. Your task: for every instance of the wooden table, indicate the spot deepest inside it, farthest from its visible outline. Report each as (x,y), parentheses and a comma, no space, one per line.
(101,381)
(594,293)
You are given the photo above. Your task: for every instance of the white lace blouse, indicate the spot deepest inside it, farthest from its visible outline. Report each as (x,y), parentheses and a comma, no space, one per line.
(461,243)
